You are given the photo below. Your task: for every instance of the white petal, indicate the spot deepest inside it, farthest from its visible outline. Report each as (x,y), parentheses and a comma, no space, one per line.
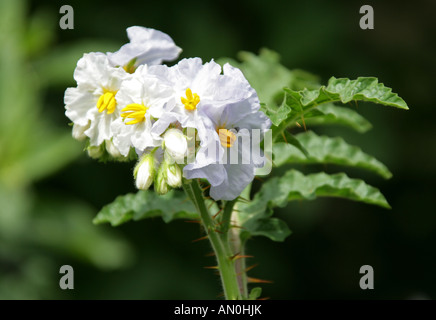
(78,102)
(79,131)
(148,46)
(94,71)
(237,178)
(214,173)
(100,128)
(145,173)
(176,144)
(111,149)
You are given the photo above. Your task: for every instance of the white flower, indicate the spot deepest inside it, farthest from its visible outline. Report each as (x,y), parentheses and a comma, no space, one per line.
(145,171)
(175,144)
(227,158)
(142,99)
(195,85)
(146,46)
(92,103)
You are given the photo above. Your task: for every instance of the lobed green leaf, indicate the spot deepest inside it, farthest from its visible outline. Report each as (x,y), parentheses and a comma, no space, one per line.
(294,185)
(296,104)
(326,150)
(147,204)
(329,114)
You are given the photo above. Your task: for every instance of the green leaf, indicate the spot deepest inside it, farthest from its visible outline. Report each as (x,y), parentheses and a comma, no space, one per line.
(147,204)
(261,224)
(275,113)
(294,185)
(291,140)
(272,228)
(363,89)
(255,293)
(328,114)
(338,90)
(327,150)
(346,90)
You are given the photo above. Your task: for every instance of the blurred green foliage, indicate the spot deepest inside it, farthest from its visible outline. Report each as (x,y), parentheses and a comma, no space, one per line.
(35,227)
(50,193)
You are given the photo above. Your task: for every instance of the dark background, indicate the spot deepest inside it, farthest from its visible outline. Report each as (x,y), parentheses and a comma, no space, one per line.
(331,238)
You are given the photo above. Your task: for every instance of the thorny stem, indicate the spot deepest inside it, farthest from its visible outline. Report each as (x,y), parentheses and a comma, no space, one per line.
(239,246)
(219,242)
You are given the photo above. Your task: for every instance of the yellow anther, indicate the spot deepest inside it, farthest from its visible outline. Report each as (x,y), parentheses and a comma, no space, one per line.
(227,137)
(107,102)
(191,100)
(134,111)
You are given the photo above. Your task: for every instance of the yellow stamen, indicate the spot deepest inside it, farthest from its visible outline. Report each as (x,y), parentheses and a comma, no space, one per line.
(227,137)
(134,111)
(107,102)
(191,100)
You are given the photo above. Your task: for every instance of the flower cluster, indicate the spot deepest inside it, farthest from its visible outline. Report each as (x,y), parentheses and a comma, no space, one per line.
(187,120)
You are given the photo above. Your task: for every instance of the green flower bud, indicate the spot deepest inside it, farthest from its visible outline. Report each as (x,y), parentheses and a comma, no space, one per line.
(160,183)
(95,152)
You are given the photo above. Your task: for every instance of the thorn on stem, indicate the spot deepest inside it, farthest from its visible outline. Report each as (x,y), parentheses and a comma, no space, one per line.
(218,231)
(248,269)
(304,122)
(200,239)
(192,221)
(284,137)
(216,214)
(256,280)
(257,178)
(251,267)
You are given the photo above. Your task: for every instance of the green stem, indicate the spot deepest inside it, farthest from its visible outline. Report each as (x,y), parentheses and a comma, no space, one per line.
(226,219)
(239,245)
(223,253)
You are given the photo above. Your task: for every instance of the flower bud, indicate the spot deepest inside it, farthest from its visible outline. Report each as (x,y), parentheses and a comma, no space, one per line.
(145,171)
(175,144)
(79,131)
(174,175)
(160,184)
(95,152)
(112,150)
